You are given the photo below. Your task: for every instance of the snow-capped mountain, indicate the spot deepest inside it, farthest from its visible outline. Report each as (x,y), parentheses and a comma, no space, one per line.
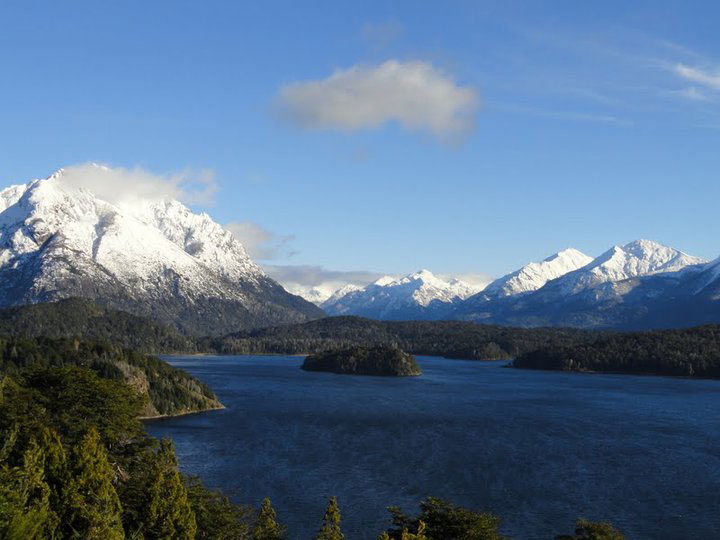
(534,275)
(627,286)
(638,258)
(150,257)
(398,298)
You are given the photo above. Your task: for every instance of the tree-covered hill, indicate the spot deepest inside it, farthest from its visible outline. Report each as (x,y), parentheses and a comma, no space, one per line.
(452,339)
(168,390)
(78,318)
(688,352)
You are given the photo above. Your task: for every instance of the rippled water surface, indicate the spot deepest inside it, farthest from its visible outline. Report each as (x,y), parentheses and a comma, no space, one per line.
(537,448)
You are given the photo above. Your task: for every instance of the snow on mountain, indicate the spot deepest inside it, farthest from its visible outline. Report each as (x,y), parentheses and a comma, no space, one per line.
(638,258)
(397,298)
(534,275)
(334,297)
(152,257)
(318,294)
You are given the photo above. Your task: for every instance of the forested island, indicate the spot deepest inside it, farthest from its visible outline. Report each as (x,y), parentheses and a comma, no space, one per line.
(384,361)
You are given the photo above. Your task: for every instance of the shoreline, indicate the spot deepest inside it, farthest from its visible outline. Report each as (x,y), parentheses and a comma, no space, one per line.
(186,413)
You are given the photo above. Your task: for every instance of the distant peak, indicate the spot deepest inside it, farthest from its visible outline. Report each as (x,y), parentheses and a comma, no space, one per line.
(422,274)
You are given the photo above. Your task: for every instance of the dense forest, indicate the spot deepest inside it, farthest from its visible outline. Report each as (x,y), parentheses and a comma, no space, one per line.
(452,339)
(75,462)
(685,352)
(167,390)
(79,318)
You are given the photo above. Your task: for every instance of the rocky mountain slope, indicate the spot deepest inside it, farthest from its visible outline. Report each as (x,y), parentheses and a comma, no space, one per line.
(154,258)
(534,275)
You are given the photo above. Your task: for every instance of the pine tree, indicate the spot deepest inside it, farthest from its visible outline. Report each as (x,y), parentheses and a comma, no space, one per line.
(330,529)
(267,527)
(167,511)
(92,506)
(25,512)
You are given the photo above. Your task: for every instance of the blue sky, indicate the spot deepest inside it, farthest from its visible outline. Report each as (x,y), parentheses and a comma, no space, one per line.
(463,137)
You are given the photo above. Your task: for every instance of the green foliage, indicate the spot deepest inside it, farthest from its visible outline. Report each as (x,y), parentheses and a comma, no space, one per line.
(589,530)
(25,498)
(168,389)
(687,352)
(70,401)
(76,318)
(217,518)
(330,529)
(167,512)
(91,506)
(420,535)
(267,526)
(439,519)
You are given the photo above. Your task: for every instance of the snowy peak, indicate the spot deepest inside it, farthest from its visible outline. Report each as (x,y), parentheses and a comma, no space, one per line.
(393,297)
(533,276)
(58,239)
(638,258)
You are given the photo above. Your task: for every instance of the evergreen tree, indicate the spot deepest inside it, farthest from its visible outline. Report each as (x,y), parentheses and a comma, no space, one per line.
(267,527)
(92,507)
(167,510)
(25,512)
(217,518)
(330,529)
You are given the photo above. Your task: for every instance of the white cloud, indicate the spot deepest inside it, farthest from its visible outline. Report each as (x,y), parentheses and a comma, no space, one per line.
(259,242)
(313,276)
(118,185)
(316,283)
(697,75)
(414,94)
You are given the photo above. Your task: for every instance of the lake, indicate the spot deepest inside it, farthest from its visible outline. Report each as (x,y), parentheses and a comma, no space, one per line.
(538,448)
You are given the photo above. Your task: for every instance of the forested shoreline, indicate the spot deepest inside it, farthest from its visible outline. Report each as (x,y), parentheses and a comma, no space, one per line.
(691,352)
(686,352)
(75,462)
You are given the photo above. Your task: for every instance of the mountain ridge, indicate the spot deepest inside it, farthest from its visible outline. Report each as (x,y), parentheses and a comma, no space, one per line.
(149,257)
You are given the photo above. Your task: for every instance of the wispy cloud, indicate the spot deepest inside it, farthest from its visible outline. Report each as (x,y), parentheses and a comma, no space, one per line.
(314,276)
(119,185)
(710,79)
(261,243)
(415,94)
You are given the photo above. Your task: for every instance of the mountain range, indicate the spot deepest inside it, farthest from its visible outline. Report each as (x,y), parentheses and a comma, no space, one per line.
(389,298)
(153,258)
(156,258)
(642,284)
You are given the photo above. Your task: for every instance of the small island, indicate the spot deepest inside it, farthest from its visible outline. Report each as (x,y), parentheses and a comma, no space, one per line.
(386,361)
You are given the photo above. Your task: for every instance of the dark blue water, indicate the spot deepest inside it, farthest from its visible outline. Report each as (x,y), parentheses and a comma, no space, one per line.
(537,448)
